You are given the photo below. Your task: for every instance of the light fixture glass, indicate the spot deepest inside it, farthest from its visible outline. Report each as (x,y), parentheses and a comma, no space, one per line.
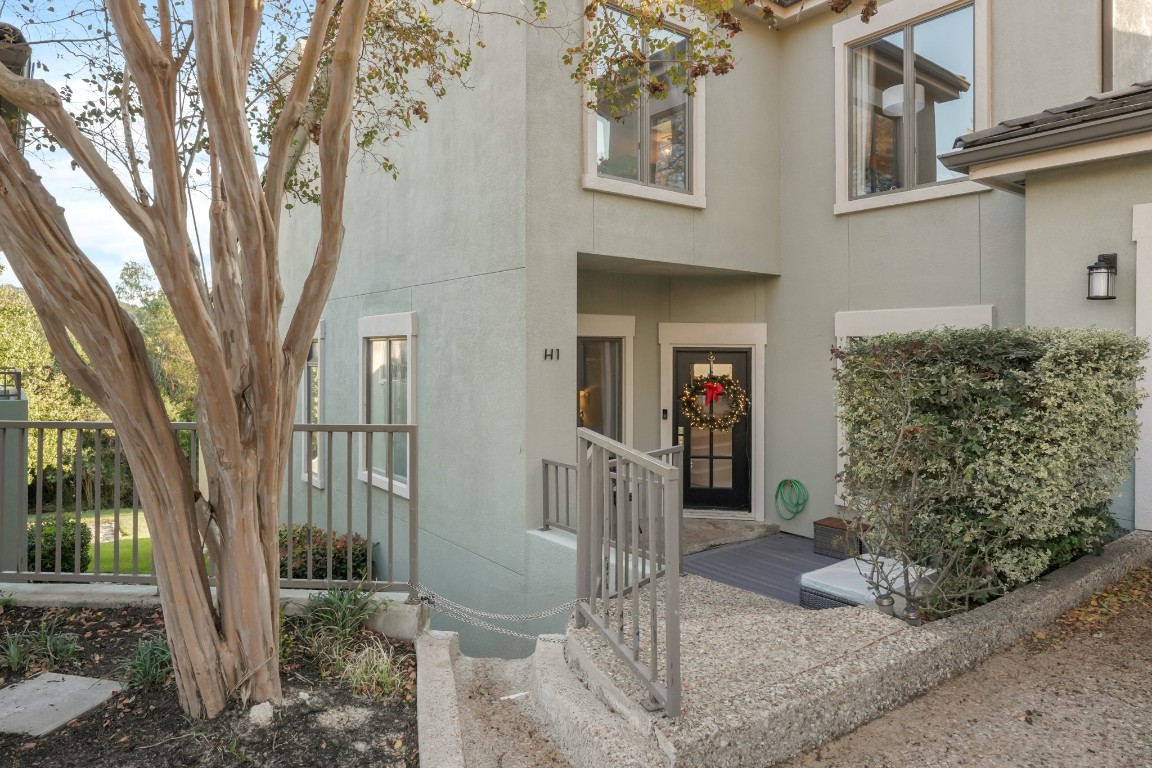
(1102,277)
(892,100)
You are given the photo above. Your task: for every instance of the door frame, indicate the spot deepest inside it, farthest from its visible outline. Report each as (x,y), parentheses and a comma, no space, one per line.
(742,336)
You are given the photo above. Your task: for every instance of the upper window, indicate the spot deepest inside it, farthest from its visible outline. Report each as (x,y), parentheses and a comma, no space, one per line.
(910,91)
(643,146)
(640,138)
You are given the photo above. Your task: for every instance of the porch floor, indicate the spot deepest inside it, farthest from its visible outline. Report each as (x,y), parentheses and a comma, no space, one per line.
(770,565)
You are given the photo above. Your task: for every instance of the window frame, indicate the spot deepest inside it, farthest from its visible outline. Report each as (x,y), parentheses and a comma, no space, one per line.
(400,325)
(307,474)
(900,14)
(694,196)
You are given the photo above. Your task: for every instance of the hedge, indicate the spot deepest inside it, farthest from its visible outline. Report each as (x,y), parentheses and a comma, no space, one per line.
(320,539)
(990,455)
(67,545)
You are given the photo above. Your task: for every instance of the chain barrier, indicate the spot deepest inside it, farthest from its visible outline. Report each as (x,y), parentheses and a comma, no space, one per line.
(484,619)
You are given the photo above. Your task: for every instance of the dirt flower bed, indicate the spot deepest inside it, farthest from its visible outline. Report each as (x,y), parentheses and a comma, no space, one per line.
(321,721)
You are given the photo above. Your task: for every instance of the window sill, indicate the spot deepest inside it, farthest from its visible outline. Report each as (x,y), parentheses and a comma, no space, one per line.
(613,187)
(381,482)
(918,195)
(316,481)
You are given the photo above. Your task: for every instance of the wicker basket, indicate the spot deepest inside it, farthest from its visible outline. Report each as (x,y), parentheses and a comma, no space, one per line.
(833,539)
(815,600)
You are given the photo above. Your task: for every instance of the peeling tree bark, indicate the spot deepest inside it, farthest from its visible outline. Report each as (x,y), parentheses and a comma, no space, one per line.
(248,374)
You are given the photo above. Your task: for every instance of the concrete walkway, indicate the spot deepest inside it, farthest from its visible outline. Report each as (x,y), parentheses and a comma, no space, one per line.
(764,681)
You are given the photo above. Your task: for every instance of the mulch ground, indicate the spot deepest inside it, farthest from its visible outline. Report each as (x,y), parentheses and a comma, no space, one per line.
(318,722)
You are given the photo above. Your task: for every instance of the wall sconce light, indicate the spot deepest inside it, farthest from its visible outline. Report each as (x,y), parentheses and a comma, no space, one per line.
(892,100)
(1102,277)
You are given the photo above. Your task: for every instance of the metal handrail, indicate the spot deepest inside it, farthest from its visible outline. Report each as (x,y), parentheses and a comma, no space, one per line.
(617,486)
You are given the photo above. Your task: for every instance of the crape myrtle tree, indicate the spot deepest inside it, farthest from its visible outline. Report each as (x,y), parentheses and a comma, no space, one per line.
(248,104)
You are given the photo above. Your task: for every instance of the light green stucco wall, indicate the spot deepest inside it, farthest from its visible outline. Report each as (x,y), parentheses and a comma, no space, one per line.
(483,233)
(1074,214)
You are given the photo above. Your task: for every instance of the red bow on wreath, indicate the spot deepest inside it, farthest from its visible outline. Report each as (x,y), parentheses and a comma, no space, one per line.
(712,391)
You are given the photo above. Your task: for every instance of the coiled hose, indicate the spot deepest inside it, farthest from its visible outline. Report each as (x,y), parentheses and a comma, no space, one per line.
(791,496)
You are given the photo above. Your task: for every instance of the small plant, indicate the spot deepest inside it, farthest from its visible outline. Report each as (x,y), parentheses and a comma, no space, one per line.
(151,664)
(373,670)
(6,601)
(39,648)
(334,617)
(12,652)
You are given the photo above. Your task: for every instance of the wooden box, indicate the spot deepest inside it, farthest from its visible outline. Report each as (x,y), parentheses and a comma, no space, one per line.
(832,538)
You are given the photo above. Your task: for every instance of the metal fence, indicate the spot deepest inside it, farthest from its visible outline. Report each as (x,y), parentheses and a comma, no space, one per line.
(628,559)
(560,489)
(559,495)
(69,511)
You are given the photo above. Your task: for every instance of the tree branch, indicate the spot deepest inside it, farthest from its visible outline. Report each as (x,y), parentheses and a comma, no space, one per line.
(286,133)
(41,100)
(335,141)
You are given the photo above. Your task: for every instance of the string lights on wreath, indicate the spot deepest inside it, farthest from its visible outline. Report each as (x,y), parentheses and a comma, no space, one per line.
(712,387)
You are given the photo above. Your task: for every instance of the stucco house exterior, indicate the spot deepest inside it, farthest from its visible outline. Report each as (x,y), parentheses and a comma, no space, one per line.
(538,266)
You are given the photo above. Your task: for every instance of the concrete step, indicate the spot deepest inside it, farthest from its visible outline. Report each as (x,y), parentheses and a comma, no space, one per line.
(588,731)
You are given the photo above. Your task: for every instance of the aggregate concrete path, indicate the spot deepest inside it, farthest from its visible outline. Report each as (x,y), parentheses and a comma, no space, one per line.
(763,681)
(1065,697)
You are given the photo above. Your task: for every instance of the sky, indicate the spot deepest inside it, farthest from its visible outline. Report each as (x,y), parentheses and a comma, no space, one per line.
(100,232)
(103,235)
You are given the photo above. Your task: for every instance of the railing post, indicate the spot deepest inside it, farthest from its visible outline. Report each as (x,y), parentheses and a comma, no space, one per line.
(673,504)
(413,512)
(583,527)
(544,509)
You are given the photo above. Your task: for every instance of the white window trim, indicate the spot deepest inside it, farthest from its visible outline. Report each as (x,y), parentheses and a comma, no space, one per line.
(621,327)
(1142,236)
(899,13)
(746,336)
(591,180)
(400,324)
(873,322)
(306,473)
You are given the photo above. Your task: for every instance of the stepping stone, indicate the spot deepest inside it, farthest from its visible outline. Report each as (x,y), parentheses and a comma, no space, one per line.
(43,703)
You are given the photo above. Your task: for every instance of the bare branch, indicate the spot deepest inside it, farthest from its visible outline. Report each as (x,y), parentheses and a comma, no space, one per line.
(335,140)
(287,132)
(40,99)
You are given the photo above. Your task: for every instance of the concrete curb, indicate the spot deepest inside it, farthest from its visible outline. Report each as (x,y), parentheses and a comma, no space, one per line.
(437,712)
(587,733)
(830,701)
(397,620)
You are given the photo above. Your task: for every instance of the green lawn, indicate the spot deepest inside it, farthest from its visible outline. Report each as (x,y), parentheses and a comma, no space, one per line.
(107,548)
(126,526)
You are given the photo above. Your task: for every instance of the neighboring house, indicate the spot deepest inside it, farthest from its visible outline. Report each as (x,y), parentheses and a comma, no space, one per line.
(538,265)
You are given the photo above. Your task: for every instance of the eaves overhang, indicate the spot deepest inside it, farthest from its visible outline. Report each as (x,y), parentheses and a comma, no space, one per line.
(1073,136)
(1110,125)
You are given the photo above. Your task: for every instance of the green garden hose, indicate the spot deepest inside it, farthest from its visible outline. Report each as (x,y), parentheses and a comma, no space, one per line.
(791,496)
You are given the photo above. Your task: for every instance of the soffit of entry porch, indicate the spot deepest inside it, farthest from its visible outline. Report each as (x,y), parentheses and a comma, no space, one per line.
(597,262)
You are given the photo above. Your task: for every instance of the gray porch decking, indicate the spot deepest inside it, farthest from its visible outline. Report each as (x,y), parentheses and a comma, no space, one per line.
(769,566)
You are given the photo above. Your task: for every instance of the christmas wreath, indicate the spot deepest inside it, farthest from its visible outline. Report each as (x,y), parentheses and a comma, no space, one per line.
(713,387)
